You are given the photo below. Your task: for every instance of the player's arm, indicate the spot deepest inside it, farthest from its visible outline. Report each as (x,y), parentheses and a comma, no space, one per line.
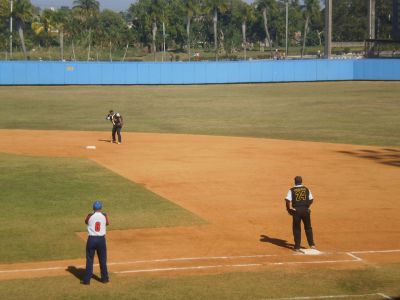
(289,209)
(107,221)
(311,198)
(87,218)
(287,202)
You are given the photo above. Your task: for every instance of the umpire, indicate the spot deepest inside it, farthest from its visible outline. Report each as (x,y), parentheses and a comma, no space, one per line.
(96,226)
(298,202)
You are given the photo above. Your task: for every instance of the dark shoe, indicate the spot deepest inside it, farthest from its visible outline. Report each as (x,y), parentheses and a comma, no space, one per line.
(105,281)
(85,282)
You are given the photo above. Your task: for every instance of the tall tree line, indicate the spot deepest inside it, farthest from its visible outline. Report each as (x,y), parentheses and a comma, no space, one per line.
(218,26)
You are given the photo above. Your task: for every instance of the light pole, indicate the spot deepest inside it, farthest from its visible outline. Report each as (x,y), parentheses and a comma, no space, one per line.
(328,29)
(287,25)
(371,19)
(163,29)
(11,27)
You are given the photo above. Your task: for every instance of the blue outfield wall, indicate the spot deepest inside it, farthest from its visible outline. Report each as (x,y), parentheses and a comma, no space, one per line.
(87,73)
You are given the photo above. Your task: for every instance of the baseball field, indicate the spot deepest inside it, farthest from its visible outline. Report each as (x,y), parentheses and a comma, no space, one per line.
(195,192)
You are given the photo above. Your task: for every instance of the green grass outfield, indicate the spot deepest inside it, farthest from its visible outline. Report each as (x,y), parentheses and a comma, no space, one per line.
(341,112)
(44,201)
(49,197)
(271,283)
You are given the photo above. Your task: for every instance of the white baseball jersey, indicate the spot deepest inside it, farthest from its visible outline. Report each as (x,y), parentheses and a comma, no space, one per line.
(96,224)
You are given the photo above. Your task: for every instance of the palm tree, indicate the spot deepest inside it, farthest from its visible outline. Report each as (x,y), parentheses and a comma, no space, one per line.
(245,13)
(88,10)
(51,23)
(43,27)
(311,10)
(154,14)
(23,13)
(41,24)
(216,6)
(60,20)
(266,6)
(191,7)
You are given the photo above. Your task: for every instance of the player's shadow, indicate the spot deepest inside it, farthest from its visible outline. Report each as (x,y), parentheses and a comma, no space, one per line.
(278,242)
(80,273)
(105,140)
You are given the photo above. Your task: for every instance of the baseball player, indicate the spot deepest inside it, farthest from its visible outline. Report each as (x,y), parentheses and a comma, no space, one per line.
(96,242)
(298,201)
(117,121)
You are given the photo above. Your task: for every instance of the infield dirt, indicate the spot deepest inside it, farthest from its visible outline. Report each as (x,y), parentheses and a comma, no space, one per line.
(238,186)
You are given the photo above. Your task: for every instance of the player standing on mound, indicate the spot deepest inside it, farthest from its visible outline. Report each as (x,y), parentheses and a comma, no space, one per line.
(96,226)
(300,198)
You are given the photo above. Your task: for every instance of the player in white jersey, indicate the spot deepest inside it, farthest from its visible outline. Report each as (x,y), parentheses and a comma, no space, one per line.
(96,226)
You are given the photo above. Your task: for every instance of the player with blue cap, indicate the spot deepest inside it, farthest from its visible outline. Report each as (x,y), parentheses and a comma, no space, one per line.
(96,226)
(97,205)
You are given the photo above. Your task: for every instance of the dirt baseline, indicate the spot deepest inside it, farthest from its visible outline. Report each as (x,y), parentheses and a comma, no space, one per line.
(238,186)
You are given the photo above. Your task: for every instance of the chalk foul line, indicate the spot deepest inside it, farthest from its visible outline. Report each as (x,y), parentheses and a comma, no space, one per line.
(383,296)
(354,259)
(187,268)
(192,258)
(352,254)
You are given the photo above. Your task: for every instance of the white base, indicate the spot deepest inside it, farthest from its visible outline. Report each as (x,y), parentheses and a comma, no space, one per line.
(311,251)
(91,147)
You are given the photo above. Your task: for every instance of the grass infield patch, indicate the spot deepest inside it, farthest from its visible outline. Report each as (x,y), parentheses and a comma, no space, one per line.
(45,200)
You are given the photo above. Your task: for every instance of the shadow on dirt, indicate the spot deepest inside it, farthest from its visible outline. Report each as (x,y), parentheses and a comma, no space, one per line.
(105,140)
(386,156)
(276,242)
(80,273)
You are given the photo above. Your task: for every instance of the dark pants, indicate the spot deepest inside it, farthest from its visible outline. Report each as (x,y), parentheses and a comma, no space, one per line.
(96,244)
(302,214)
(116,130)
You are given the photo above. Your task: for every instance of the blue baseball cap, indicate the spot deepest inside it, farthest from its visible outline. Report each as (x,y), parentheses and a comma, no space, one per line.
(97,205)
